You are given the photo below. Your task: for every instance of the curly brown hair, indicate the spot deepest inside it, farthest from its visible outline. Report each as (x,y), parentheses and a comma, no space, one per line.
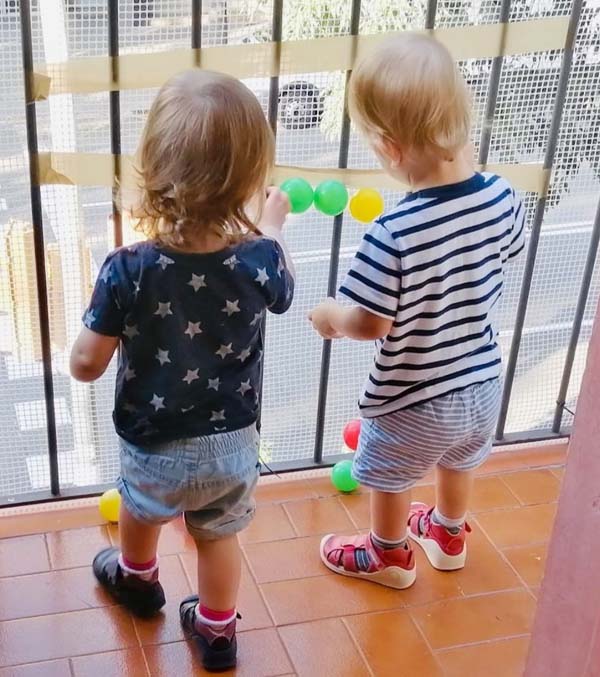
(205,157)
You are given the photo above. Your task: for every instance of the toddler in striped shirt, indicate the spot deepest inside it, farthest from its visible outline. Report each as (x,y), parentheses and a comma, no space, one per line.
(423,284)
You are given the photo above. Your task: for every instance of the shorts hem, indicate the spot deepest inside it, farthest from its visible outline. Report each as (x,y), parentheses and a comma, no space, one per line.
(135,511)
(219,532)
(372,483)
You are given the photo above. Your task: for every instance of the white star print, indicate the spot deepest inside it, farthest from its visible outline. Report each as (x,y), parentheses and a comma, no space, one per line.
(232,262)
(164,261)
(244,387)
(214,383)
(136,288)
(197,281)
(157,402)
(129,374)
(192,375)
(262,278)
(163,356)
(90,318)
(193,329)
(217,415)
(244,355)
(257,317)
(105,274)
(164,309)
(280,268)
(224,351)
(231,307)
(130,331)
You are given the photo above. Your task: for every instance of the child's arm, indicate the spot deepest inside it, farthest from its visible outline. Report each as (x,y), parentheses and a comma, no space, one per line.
(91,355)
(103,323)
(332,320)
(373,285)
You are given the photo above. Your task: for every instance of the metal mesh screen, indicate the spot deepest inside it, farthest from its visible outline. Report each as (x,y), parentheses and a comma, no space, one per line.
(78,233)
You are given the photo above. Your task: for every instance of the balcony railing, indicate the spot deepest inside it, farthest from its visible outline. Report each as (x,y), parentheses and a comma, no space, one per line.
(535,71)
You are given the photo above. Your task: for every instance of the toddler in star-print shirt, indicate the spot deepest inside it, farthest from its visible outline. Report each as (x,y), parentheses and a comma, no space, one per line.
(187,308)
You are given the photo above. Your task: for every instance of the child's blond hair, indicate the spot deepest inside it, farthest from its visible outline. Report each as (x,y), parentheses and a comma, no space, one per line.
(409,91)
(206,153)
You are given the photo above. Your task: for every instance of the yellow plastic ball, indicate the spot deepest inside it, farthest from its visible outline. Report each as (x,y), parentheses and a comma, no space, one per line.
(366,205)
(109,505)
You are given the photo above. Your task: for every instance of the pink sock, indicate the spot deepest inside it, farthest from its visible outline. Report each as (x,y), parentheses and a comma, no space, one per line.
(210,616)
(137,566)
(144,570)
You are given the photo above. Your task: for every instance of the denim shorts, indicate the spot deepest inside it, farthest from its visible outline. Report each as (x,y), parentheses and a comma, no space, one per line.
(210,479)
(454,431)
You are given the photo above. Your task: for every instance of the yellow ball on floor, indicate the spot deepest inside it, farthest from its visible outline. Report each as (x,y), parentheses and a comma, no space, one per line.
(109,505)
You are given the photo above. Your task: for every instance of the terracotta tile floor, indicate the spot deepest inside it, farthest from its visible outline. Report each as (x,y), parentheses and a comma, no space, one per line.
(299,618)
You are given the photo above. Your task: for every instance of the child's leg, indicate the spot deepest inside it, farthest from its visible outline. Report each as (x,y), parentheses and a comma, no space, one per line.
(389,515)
(453,493)
(130,574)
(139,541)
(219,571)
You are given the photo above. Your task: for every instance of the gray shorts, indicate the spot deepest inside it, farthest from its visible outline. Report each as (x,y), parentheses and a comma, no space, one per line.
(454,431)
(210,479)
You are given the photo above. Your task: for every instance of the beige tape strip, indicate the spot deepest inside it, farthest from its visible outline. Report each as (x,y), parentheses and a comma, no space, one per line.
(140,71)
(96,169)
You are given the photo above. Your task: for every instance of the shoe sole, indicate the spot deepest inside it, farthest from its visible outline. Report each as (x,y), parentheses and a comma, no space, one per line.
(437,557)
(390,577)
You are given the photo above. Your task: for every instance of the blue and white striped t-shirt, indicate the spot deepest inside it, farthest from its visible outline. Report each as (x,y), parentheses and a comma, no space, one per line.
(435,265)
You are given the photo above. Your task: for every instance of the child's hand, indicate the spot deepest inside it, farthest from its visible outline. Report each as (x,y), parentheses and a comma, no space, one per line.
(275,210)
(320,318)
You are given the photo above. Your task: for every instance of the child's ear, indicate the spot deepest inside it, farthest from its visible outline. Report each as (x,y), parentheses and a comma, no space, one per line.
(391,150)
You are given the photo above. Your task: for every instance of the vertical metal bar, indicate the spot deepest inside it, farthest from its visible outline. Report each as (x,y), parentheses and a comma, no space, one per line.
(536,227)
(272,113)
(336,239)
(197,30)
(276,35)
(38,243)
(115,117)
(430,15)
(584,289)
(493,87)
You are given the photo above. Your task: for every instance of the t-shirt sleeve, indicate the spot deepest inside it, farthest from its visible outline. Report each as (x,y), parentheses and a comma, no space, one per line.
(517,235)
(374,278)
(105,313)
(275,278)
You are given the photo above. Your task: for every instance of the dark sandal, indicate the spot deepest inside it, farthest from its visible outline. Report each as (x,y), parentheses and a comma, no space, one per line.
(143,598)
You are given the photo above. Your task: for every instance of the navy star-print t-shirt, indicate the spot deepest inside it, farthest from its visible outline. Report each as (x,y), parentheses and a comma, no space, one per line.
(191,333)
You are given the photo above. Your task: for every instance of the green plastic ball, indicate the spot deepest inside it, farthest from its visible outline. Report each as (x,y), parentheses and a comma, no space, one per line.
(331,197)
(300,194)
(341,477)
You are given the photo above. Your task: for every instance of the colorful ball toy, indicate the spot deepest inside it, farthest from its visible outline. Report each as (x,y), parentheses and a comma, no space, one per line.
(351,434)
(300,194)
(366,205)
(331,197)
(341,477)
(109,505)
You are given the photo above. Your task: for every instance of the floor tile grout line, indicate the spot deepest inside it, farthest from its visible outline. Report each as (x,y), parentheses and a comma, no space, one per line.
(483,642)
(507,561)
(285,648)
(348,513)
(48,555)
(357,646)
(511,491)
(291,521)
(425,639)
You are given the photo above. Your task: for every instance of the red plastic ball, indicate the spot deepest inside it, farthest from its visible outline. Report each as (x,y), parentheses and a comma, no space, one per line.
(351,434)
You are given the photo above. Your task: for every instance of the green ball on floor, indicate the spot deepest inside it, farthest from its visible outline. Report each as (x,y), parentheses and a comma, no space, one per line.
(341,477)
